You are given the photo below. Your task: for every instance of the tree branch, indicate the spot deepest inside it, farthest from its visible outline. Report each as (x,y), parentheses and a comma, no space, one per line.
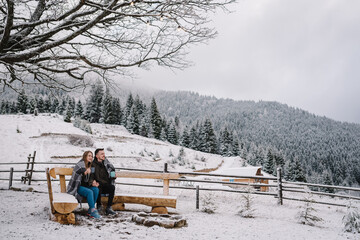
(8,24)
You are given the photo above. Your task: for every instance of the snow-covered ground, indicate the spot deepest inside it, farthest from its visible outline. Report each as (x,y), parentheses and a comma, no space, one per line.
(24,215)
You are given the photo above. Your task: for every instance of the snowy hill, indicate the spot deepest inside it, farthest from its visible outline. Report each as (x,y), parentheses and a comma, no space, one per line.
(25,215)
(50,136)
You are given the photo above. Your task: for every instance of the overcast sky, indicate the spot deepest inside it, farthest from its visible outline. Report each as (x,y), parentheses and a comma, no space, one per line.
(305,53)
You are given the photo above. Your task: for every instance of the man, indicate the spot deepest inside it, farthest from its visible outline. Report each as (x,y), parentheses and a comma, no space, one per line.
(103,168)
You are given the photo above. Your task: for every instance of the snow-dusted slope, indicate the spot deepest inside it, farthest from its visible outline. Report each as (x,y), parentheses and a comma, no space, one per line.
(25,215)
(48,135)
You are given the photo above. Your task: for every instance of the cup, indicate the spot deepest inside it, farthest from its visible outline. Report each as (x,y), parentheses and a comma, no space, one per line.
(112,174)
(92,169)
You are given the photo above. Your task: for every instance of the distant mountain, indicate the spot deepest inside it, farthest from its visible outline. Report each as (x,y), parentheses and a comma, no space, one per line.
(313,148)
(328,150)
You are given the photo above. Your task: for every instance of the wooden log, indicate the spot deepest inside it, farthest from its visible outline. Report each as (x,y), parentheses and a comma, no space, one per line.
(64,203)
(60,171)
(159,210)
(117,206)
(64,218)
(131,174)
(65,207)
(152,201)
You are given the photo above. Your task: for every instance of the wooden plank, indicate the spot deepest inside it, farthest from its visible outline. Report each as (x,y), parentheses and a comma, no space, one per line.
(323,186)
(62,184)
(60,171)
(50,190)
(131,174)
(144,200)
(166,187)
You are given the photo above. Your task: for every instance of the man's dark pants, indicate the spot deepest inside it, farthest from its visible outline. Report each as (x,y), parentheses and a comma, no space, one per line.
(106,189)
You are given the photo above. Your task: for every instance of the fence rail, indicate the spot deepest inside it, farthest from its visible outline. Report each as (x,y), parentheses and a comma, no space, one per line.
(279,184)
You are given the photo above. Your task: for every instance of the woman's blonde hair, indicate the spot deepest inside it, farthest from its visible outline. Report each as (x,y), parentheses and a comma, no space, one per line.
(84,157)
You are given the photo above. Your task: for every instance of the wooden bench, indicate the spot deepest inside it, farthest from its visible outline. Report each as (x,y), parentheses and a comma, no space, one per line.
(63,204)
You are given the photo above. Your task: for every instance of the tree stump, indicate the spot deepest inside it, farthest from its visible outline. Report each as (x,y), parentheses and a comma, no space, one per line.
(64,218)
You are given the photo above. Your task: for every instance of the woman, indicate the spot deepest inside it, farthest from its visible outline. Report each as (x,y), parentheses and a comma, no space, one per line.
(81,186)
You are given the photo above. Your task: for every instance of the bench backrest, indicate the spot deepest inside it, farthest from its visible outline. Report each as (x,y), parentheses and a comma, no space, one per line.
(62,172)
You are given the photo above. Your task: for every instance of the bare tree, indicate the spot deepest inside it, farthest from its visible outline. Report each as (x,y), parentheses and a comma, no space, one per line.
(59,43)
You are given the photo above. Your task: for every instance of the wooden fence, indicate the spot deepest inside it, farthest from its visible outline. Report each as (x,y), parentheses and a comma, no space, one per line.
(279,185)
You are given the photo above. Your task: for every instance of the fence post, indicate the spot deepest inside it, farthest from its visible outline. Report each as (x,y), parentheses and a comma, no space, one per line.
(165,167)
(279,188)
(32,167)
(197,196)
(166,182)
(11,177)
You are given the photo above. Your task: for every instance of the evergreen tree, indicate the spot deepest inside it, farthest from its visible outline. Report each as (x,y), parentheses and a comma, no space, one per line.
(12,107)
(235,146)
(54,105)
(94,104)
(208,138)
(72,103)
(193,137)
(269,163)
(79,109)
(22,102)
(68,114)
(172,135)
(163,135)
(279,160)
(2,107)
(62,107)
(225,143)
(40,104)
(127,110)
(177,121)
(133,121)
(185,138)
(139,106)
(155,119)
(47,105)
(117,112)
(107,115)
(295,172)
(32,105)
(144,130)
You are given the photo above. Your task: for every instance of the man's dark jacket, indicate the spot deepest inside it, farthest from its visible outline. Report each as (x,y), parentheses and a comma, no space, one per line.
(102,172)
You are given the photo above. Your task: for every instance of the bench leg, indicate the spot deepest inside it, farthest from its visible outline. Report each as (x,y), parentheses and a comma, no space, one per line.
(159,210)
(64,218)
